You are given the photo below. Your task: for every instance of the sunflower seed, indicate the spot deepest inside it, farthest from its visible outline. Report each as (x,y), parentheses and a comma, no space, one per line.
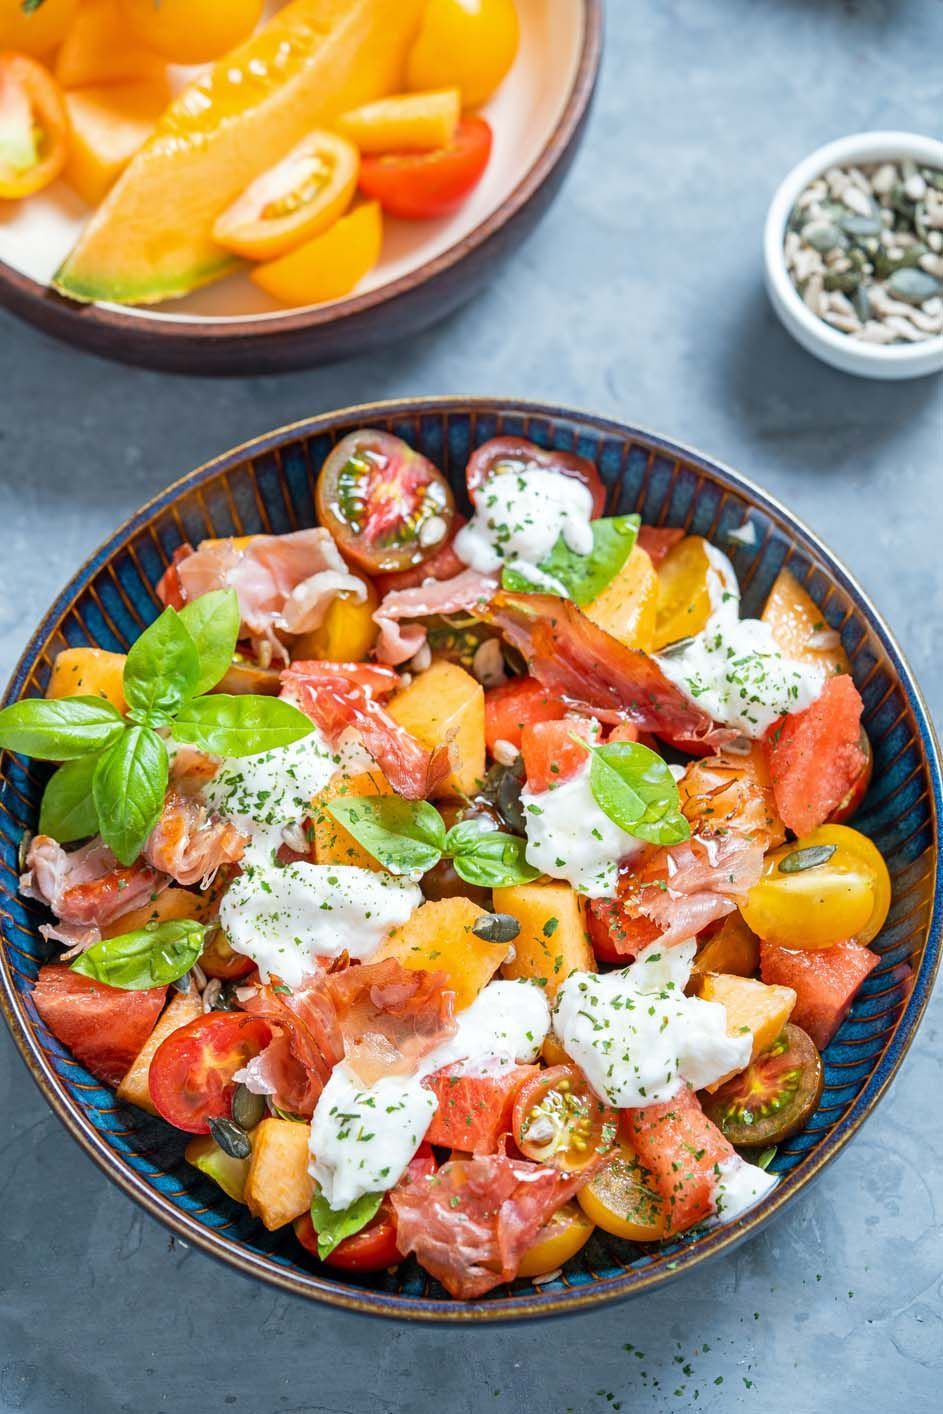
(904,329)
(915,187)
(856,201)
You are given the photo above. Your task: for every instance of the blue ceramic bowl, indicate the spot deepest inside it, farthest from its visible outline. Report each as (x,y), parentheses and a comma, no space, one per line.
(268,485)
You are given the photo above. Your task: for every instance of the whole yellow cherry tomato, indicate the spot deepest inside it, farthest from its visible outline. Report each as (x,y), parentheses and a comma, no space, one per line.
(35,31)
(465,44)
(567,1231)
(622,1199)
(346,634)
(829,887)
(192,31)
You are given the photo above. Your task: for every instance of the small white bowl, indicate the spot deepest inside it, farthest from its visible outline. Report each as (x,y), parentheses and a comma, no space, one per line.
(836,348)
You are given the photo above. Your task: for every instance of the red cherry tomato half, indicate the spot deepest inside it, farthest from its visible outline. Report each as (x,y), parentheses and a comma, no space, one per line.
(559,1120)
(503,454)
(419,185)
(191,1075)
(374,1247)
(387,506)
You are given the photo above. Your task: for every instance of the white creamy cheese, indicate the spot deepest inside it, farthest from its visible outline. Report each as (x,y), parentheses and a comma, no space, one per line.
(270,793)
(739,1187)
(733,668)
(569,837)
(363,1137)
(285,916)
(520,516)
(638,1038)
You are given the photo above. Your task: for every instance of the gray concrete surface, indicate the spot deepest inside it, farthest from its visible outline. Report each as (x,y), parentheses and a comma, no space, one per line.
(640,296)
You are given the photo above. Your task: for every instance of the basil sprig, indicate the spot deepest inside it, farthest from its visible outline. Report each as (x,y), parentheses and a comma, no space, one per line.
(409,837)
(584,576)
(115,777)
(153,956)
(332,1226)
(634,787)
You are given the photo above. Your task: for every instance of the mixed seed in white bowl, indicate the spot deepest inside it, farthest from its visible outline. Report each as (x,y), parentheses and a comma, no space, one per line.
(864,248)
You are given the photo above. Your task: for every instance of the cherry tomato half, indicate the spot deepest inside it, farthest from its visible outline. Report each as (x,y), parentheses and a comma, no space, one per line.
(374,1247)
(219,960)
(623,1200)
(191,1075)
(34,127)
(387,507)
(423,185)
(293,201)
(562,1236)
(192,31)
(828,887)
(559,1120)
(773,1097)
(513,454)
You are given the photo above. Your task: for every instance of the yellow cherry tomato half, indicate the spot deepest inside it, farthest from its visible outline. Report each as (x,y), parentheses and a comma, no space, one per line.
(294,201)
(192,31)
(330,265)
(346,633)
(36,30)
(686,577)
(829,887)
(561,1238)
(34,127)
(466,44)
(622,1199)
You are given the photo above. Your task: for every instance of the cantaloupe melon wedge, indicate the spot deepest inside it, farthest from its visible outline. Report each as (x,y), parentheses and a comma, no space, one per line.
(151,239)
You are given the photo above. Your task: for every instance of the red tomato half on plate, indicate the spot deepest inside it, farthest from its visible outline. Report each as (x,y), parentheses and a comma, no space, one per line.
(191,1076)
(420,185)
(374,1246)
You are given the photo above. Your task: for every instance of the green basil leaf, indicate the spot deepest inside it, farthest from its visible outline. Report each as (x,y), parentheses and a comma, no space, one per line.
(494,861)
(128,788)
(584,576)
(333,1226)
(212,621)
(59,730)
(634,787)
(161,671)
(406,836)
(241,725)
(68,810)
(148,957)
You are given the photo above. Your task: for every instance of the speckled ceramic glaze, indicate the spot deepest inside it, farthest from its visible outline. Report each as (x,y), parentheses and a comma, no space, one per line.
(268,485)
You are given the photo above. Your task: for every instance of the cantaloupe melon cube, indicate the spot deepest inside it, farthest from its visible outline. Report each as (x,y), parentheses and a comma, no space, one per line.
(333,844)
(751,1006)
(628,605)
(100,48)
(171,904)
(88,672)
(279,1187)
(553,941)
(183,1007)
(732,949)
(446,704)
(109,123)
(439,938)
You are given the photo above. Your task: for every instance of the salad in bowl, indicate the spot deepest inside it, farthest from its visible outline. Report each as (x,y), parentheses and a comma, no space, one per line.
(459,885)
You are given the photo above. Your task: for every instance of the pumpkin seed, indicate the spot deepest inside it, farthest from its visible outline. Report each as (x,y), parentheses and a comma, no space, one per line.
(822,236)
(913,285)
(247,1107)
(231,1137)
(858,226)
(26,839)
(225,999)
(809,858)
(496,927)
(844,280)
(861,303)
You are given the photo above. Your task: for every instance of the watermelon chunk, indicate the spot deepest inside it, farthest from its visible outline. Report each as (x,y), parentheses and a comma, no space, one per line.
(474,1110)
(551,756)
(104,1027)
(825,981)
(515,705)
(816,757)
(681,1148)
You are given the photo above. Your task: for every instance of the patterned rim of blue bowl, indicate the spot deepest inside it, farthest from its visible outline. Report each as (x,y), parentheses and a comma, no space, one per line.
(712,496)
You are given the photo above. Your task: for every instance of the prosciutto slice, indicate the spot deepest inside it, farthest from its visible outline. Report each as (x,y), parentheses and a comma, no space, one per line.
(398,641)
(190,844)
(86,888)
(471,1222)
(592,671)
(307,1044)
(284,583)
(335,700)
(390,1016)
